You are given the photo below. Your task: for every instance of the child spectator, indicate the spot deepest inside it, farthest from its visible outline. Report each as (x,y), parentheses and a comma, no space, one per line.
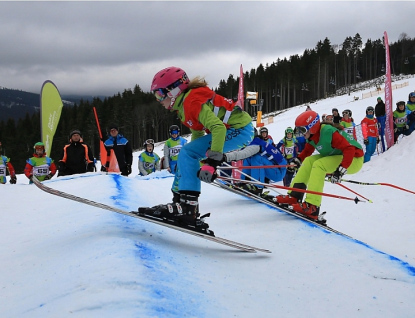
(288,146)
(172,149)
(40,165)
(370,133)
(410,105)
(259,153)
(348,123)
(263,134)
(4,166)
(148,161)
(336,116)
(400,121)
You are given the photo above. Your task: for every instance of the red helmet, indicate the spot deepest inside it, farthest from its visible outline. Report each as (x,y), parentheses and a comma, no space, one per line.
(169,82)
(308,121)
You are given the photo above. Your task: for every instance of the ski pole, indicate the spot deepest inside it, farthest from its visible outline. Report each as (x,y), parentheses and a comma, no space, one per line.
(242,173)
(347,188)
(252,167)
(356,200)
(379,183)
(343,186)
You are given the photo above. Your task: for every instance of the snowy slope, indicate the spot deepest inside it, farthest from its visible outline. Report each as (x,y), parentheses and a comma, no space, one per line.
(59,258)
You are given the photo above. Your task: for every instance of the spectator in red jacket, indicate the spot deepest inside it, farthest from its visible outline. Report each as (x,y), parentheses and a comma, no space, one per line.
(370,133)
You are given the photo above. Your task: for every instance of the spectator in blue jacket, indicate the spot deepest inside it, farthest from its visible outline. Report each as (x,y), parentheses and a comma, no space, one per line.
(259,153)
(122,150)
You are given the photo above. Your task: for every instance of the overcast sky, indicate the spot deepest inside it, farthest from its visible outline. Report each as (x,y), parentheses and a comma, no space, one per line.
(102,48)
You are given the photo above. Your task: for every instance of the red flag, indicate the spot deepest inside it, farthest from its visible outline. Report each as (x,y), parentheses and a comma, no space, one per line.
(107,158)
(388,98)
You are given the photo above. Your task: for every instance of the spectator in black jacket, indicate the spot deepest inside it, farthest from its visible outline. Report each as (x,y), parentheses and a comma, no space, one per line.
(336,116)
(76,157)
(380,114)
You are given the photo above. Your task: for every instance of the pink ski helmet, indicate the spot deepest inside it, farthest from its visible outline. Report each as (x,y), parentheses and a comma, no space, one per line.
(169,82)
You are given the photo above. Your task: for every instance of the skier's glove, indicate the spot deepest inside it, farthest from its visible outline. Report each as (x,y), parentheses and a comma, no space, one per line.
(294,165)
(49,176)
(366,141)
(103,169)
(378,140)
(13,179)
(208,171)
(337,175)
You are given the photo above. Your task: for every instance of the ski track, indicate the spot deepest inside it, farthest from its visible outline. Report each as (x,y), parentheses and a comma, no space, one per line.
(163,271)
(410,269)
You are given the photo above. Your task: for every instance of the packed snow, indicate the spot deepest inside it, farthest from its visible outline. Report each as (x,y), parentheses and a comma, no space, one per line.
(61,258)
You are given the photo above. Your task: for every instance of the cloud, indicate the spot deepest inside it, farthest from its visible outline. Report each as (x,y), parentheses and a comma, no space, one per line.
(102,48)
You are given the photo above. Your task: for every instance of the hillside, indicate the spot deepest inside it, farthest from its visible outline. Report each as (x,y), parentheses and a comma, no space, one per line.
(60,258)
(16,104)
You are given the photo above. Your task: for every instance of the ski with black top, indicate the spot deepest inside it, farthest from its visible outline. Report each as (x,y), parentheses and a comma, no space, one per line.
(173,224)
(238,190)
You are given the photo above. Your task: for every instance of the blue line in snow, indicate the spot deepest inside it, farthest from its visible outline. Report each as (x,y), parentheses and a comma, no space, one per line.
(170,294)
(408,267)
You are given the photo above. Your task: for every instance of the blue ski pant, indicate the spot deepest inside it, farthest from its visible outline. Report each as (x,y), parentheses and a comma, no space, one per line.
(370,148)
(273,174)
(382,123)
(188,163)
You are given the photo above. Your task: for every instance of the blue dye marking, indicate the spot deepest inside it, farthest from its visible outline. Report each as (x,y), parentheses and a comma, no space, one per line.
(408,268)
(163,276)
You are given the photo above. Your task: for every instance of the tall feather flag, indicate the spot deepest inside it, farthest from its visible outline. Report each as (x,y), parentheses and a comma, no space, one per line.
(388,97)
(50,113)
(241,93)
(241,101)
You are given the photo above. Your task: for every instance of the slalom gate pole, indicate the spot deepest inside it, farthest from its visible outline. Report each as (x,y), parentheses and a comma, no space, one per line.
(107,164)
(253,167)
(98,126)
(379,183)
(343,186)
(266,185)
(251,180)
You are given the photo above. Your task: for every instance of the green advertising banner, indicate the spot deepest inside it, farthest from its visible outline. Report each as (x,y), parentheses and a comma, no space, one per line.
(50,113)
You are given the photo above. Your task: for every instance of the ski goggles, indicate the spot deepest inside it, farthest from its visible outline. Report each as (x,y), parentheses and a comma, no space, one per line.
(174,132)
(346,113)
(302,130)
(149,142)
(160,94)
(411,95)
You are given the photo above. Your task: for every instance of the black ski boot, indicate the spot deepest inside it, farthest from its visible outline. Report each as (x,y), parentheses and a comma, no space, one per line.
(252,188)
(185,212)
